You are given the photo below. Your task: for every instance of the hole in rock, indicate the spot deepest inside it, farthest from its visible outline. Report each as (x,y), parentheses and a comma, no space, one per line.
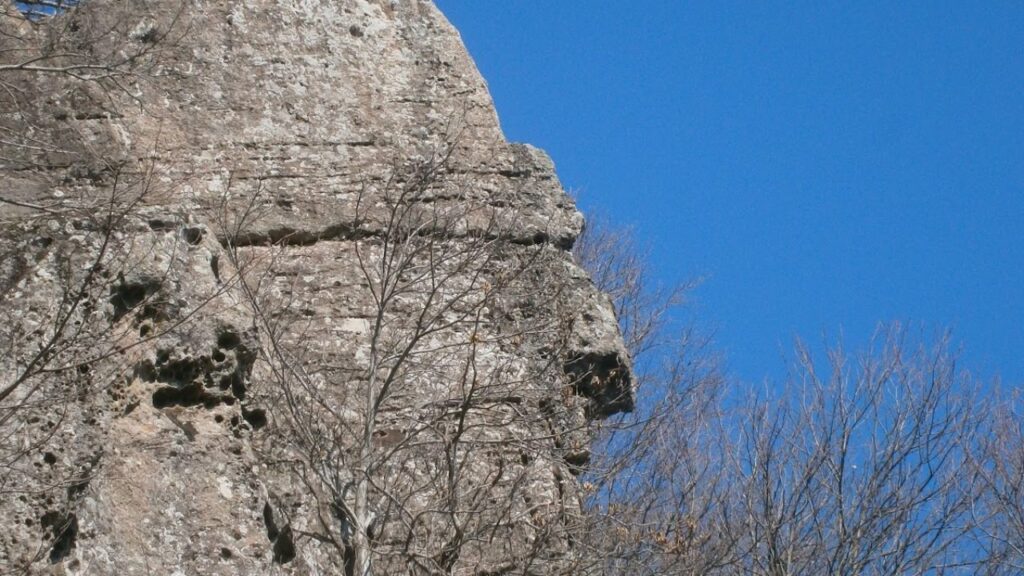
(191,394)
(64,541)
(257,417)
(284,546)
(228,340)
(268,521)
(193,235)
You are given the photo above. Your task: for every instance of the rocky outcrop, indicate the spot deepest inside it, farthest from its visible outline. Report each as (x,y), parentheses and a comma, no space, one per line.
(179,221)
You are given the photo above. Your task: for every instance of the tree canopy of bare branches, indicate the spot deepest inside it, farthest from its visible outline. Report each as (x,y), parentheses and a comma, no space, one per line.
(887,461)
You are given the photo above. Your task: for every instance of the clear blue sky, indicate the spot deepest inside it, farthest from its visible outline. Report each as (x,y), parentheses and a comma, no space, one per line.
(826,165)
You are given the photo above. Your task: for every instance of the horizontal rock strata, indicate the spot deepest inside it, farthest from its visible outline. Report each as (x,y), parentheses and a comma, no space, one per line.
(200,209)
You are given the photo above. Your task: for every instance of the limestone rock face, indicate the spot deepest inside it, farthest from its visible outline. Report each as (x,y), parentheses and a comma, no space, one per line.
(197,210)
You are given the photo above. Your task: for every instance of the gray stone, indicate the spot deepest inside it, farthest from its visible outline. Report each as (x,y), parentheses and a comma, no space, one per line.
(242,145)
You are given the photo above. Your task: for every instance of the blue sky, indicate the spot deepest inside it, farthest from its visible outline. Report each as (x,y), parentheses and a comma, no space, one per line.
(824,165)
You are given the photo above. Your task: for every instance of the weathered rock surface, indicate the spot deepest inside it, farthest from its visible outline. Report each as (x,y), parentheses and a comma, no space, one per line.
(141,415)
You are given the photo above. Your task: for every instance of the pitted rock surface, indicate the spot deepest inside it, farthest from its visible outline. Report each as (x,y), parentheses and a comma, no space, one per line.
(267,133)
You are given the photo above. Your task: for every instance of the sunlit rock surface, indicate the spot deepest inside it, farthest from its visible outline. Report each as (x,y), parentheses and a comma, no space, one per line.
(149,447)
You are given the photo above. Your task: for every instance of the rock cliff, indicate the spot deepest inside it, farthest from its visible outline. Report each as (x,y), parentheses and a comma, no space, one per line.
(277,296)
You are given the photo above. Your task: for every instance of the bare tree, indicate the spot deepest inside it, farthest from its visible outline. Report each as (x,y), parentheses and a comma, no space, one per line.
(656,468)
(860,470)
(997,478)
(421,438)
(620,267)
(854,466)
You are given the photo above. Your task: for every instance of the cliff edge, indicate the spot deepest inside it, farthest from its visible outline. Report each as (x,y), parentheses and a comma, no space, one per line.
(277,296)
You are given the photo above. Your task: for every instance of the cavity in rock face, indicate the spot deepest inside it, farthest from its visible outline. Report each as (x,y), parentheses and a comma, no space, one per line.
(196,248)
(65,530)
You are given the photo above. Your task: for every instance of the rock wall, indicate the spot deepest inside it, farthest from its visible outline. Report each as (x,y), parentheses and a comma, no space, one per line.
(192,195)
